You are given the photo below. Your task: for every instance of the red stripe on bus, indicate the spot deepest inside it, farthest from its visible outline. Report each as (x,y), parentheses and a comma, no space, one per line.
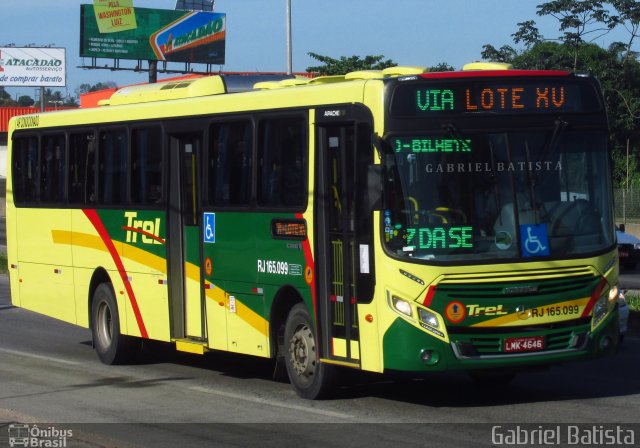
(594,297)
(494,73)
(93,217)
(308,256)
(143,232)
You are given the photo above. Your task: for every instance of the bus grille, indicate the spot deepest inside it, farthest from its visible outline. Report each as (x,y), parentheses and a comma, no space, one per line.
(474,346)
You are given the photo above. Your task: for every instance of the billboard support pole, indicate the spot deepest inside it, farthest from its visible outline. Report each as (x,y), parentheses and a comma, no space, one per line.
(289,44)
(153,72)
(41,99)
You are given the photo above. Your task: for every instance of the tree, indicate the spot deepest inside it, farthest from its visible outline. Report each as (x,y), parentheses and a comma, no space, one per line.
(5,98)
(580,21)
(56,99)
(345,64)
(86,88)
(25,101)
(528,34)
(505,53)
(441,67)
(70,102)
(629,17)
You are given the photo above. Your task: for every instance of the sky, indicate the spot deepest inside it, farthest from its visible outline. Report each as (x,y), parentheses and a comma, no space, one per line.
(410,32)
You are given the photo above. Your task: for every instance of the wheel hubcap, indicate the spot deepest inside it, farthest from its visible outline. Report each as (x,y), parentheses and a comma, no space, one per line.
(302,351)
(105,325)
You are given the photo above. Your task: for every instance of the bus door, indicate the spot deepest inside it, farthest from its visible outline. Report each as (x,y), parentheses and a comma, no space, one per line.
(344,244)
(186,257)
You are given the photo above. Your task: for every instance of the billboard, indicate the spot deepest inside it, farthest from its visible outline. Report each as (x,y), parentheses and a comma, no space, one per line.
(33,67)
(160,35)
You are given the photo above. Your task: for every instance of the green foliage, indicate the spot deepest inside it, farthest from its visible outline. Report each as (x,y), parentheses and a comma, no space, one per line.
(579,20)
(441,67)
(620,169)
(633,300)
(629,18)
(86,88)
(345,64)
(70,102)
(527,33)
(5,98)
(505,53)
(25,101)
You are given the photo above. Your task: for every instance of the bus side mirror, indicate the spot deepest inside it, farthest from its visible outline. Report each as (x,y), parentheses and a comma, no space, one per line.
(375,177)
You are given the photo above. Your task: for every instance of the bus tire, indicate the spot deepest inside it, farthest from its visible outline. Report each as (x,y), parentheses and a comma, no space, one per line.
(110,344)
(310,378)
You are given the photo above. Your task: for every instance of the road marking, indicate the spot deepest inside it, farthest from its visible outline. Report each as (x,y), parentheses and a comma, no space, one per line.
(40,357)
(273,403)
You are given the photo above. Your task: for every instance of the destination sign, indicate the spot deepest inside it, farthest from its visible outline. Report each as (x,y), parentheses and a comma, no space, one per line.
(510,96)
(431,144)
(435,238)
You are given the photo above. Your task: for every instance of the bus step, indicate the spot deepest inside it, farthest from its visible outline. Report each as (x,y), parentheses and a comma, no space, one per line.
(189,346)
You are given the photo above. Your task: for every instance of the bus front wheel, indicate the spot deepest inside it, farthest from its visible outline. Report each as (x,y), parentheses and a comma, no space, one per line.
(309,377)
(111,346)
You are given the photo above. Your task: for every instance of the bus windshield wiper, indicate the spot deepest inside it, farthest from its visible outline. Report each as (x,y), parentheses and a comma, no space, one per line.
(452,131)
(552,144)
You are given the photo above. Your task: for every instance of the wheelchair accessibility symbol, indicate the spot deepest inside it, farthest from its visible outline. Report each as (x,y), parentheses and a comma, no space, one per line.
(209,227)
(533,240)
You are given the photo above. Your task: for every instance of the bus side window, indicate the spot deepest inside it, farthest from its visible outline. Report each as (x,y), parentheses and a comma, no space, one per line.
(52,169)
(25,170)
(82,168)
(146,167)
(229,163)
(112,162)
(282,158)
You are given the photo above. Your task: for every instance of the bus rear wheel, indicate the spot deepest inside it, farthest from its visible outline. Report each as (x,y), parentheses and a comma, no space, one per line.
(309,377)
(111,345)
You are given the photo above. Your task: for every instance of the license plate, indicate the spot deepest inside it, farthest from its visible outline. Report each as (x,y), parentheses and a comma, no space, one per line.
(526,344)
(623,254)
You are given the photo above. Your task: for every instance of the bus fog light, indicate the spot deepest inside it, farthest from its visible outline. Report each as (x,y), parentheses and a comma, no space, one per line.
(429,357)
(428,317)
(402,306)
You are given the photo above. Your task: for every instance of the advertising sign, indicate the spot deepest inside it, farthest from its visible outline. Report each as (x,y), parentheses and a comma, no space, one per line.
(113,16)
(32,67)
(160,35)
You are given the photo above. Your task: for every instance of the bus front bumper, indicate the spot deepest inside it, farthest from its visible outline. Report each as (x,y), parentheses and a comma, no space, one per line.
(407,348)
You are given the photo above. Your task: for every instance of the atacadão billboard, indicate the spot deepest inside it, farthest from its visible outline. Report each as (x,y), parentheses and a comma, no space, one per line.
(159,35)
(32,67)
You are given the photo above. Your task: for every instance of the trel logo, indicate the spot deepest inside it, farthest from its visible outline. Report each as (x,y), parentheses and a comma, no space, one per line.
(149,231)
(477,310)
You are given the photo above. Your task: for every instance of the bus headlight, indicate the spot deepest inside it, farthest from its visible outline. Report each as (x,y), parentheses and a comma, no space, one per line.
(402,306)
(428,317)
(600,310)
(613,293)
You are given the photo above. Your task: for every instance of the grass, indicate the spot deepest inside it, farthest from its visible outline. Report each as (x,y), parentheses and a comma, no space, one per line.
(633,300)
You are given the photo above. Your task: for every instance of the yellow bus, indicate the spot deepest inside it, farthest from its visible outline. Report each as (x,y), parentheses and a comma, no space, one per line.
(393,220)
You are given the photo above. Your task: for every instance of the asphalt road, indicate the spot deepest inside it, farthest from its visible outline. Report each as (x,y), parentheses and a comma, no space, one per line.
(49,374)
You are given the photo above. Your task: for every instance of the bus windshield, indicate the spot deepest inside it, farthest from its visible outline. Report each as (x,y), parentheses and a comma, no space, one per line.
(462,197)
